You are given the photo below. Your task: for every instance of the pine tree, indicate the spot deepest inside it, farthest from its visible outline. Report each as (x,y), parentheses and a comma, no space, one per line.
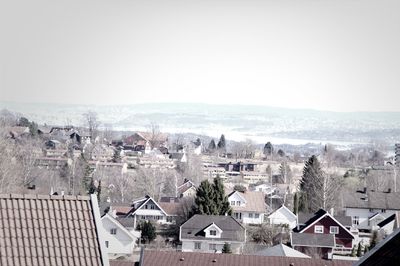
(99,191)
(211,199)
(220,199)
(226,248)
(221,142)
(148,231)
(353,251)
(312,173)
(212,145)
(374,239)
(295,204)
(281,153)
(205,199)
(359,250)
(268,149)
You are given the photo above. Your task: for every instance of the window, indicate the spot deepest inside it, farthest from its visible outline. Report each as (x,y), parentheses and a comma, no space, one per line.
(145,206)
(106,244)
(238,203)
(371,210)
(250,215)
(213,232)
(169,219)
(334,230)
(152,206)
(383,210)
(355,220)
(197,245)
(233,203)
(212,246)
(113,231)
(319,229)
(256,215)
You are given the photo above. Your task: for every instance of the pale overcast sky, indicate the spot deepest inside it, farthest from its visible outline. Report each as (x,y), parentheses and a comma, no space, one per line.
(341,55)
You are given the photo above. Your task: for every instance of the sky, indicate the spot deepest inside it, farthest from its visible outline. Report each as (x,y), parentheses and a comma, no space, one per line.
(337,55)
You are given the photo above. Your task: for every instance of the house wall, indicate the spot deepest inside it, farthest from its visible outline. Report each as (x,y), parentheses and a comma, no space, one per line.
(364,215)
(189,246)
(247,220)
(119,244)
(282,217)
(342,238)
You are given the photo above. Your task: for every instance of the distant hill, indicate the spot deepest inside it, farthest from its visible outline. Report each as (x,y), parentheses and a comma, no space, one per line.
(259,123)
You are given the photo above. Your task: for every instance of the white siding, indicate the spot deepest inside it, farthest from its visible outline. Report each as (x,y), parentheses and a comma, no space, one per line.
(189,246)
(119,244)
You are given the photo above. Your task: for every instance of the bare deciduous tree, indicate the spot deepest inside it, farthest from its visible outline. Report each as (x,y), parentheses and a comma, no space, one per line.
(92,123)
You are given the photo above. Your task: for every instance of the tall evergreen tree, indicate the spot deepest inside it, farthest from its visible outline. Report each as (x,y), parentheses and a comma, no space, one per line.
(268,149)
(212,145)
(220,199)
(312,172)
(295,204)
(374,239)
(285,172)
(221,142)
(211,199)
(205,199)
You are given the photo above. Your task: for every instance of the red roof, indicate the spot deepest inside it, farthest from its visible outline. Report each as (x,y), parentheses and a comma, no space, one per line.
(171,258)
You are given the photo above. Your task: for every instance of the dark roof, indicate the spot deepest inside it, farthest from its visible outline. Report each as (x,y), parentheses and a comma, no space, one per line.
(305,219)
(176,156)
(385,253)
(312,240)
(231,229)
(387,220)
(171,258)
(127,222)
(49,230)
(372,200)
(308,219)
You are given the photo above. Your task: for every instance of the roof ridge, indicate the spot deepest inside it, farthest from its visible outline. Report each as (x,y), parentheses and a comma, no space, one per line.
(43,196)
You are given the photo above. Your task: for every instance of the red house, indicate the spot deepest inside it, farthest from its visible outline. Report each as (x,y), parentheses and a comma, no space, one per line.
(323,232)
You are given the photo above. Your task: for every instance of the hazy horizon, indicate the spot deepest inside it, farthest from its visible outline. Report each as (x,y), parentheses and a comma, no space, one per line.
(322,55)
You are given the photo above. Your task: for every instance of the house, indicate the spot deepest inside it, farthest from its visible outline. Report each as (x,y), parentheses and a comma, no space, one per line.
(209,233)
(51,230)
(18,132)
(147,209)
(283,216)
(387,226)
(187,189)
(281,250)
(179,157)
(385,253)
(368,208)
(266,189)
(119,241)
(139,140)
(172,258)
(323,231)
(248,207)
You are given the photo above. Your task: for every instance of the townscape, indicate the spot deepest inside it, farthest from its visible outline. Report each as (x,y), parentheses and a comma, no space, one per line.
(88,195)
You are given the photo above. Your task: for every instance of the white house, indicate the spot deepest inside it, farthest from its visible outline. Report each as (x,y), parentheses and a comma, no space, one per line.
(209,233)
(283,216)
(266,189)
(187,189)
(368,208)
(118,240)
(147,209)
(248,207)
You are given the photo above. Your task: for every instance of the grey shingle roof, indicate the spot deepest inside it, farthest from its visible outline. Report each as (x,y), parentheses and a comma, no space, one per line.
(171,258)
(373,200)
(48,230)
(313,240)
(232,230)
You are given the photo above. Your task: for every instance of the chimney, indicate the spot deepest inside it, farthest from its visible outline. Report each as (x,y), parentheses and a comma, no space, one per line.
(389,190)
(365,190)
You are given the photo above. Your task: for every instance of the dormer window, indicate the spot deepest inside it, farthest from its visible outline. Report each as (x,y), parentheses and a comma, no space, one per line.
(238,203)
(232,203)
(213,232)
